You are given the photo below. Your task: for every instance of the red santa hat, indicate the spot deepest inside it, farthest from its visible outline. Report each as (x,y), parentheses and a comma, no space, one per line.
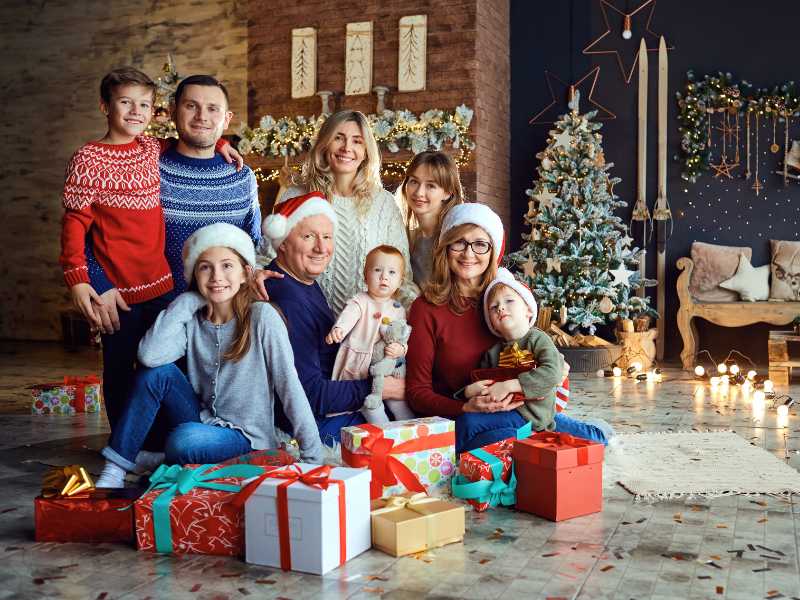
(505,277)
(277,226)
(480,215)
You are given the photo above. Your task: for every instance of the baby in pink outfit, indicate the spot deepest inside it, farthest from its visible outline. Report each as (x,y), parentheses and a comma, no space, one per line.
(357,327)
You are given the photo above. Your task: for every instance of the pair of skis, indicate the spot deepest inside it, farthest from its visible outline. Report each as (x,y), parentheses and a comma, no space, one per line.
(661,212)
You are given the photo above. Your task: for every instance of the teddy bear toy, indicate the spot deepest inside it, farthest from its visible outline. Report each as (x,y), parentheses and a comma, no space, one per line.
(383,366)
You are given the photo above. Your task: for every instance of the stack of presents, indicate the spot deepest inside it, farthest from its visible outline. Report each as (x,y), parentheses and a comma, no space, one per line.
(273,511)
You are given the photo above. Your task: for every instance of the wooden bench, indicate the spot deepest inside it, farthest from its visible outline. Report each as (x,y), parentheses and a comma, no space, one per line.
(727,314)
(780,363)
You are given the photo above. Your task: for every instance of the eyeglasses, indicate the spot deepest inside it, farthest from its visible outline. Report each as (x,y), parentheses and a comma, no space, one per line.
(478,246)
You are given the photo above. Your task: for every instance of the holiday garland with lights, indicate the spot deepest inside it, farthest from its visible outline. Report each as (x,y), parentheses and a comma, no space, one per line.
(578,250)
(717,94)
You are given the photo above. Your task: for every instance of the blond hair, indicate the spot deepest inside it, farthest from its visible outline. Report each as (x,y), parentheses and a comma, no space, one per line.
(441,289)
(444,171)
(316,174)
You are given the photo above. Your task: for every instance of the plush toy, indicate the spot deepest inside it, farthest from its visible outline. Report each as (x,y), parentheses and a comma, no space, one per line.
(382,366)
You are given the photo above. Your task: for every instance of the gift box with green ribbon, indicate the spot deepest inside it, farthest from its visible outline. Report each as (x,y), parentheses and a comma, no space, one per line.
(191,509)
(486,477)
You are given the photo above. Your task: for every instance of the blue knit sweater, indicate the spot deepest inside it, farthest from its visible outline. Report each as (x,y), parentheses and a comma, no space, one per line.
(196,192)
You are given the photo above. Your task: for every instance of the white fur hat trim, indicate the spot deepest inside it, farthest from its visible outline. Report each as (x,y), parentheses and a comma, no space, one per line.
(277,226)
(478,214)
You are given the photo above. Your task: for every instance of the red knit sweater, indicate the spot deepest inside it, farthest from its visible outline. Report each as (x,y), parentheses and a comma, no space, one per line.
(113,193)
(443,350)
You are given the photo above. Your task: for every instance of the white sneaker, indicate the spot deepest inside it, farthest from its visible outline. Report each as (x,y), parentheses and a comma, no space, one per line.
(113,476)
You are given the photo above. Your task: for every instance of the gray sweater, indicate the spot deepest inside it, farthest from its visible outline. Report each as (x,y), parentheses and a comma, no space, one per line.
(241,394)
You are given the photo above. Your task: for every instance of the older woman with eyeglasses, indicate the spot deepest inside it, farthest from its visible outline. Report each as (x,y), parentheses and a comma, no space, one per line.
(449,335)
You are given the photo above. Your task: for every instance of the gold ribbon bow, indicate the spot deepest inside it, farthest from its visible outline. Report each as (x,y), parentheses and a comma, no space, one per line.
(66,481)
(513,356)
(409,501)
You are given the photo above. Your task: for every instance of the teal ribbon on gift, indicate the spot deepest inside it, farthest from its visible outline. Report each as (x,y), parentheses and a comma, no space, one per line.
(494,491)
(176,480)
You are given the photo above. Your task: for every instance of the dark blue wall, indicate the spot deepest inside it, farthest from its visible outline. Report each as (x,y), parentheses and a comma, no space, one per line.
(756,42)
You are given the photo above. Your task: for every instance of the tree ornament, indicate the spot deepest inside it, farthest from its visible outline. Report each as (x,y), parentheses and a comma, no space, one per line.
(606,305)
(553,264)
(529,269)
(545,198)
(563,140)
(621,275)
(547,164)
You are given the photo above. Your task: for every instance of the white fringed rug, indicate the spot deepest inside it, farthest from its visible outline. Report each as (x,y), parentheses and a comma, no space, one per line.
(656,466)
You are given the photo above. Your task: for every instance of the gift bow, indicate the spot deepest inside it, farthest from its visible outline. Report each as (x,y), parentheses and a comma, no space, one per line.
(80,384)
(386,470)
(514,356)
(319,478)
(557,440)
(176,480)
(409,502)
(494,492)
(66,481)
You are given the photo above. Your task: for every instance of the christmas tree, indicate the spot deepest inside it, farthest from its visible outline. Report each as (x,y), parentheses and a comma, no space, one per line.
(578,253)
(162,126)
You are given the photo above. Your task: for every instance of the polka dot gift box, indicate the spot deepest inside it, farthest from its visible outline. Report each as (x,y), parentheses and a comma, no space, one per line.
(68,397)
(417,455)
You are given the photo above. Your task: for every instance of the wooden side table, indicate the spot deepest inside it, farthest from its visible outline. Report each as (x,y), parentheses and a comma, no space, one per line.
(780,364)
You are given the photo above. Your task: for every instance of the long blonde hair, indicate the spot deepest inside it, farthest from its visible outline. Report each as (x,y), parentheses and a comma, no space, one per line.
(444,171)
(441,289)
(316,174)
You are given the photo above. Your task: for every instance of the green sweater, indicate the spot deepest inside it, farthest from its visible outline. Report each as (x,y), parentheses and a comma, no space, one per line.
(540,382)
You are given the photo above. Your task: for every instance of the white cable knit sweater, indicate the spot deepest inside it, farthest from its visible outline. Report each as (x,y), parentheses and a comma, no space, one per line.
(355,237)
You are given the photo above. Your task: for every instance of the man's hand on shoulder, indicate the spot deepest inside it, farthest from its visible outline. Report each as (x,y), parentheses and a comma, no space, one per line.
(257,282)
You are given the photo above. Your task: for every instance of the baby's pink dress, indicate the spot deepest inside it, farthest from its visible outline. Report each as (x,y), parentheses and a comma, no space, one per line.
(362,317)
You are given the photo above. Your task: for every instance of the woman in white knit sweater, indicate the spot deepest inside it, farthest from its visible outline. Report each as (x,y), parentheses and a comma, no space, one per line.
(344,164)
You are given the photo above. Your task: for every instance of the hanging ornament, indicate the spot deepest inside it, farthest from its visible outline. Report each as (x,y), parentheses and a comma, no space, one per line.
(563,140)
(553,264)
(545,198)
(600,160)
(747,173)
(560,90)
(529,268)
(606,305)
(785,147)
(774,148)
(621,275)
(562,314)
(757,185)
(547,164)
(536,235)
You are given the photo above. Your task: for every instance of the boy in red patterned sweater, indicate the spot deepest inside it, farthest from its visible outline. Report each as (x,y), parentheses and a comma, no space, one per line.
(112,211)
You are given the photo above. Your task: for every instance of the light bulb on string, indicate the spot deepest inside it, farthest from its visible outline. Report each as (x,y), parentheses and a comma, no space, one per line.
(722,368)
(699,371)
(626,28)
(751,374)
(769,387)
(734,369)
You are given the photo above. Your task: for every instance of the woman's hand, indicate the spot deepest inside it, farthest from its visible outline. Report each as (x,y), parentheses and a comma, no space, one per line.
(335,336)
(394,388)
(257,282)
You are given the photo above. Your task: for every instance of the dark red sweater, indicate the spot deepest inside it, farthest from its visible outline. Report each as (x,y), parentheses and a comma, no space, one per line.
(443,350)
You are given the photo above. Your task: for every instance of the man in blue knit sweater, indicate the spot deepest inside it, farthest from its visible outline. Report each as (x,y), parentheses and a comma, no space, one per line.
(301,232)
(198,187)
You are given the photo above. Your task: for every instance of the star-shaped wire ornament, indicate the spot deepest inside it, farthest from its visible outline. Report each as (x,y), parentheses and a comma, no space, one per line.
(724,168)
(567,92)
(627,21)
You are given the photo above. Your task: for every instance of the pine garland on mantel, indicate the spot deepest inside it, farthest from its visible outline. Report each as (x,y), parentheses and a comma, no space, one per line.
(720,93)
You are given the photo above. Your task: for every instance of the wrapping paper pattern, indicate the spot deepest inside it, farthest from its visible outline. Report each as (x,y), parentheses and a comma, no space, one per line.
(60,398)
(433,467)
(94,518)
(473,468)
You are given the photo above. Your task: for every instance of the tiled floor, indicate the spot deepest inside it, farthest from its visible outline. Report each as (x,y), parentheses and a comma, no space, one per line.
(676,549)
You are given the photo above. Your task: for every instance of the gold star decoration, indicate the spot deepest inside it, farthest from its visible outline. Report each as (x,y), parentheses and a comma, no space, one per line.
(565,91)
(635,23)
(723,168)
(563,140)
(545,199)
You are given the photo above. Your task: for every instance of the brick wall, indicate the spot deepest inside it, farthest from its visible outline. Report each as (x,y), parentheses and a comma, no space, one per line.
(54,56)
(456,69)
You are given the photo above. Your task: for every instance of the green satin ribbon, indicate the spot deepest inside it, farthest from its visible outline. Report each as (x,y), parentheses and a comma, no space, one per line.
(176,480)
(494,491)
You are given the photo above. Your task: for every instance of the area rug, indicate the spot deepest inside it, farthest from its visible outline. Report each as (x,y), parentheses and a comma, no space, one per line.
(655,466)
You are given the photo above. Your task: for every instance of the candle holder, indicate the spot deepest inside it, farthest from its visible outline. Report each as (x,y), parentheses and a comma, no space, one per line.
(325,96)
(380,92)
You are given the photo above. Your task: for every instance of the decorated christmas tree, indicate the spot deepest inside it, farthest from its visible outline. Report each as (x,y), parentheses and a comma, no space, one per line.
(162,125)
(578,254)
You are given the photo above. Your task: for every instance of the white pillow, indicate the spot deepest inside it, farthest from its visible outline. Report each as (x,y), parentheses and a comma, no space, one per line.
(751,283)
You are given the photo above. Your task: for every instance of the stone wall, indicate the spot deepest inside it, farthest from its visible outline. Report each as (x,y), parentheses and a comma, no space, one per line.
(54,55)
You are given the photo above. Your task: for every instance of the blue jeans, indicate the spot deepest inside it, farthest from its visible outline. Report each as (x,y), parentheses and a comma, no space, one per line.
(330,427)
(167,390)
(475,430)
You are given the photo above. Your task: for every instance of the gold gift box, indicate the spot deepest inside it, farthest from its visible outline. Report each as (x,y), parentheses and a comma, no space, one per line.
(412,523)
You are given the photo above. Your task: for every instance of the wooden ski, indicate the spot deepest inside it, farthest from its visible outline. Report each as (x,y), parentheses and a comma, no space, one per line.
(662,212)
(640,210)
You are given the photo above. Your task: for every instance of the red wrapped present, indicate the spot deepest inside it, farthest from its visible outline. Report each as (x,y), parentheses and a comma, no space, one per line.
(190,510)
(506,373)
(558,476)
(96,516)
(274,457)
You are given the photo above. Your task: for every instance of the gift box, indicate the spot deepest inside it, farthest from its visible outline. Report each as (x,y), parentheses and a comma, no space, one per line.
(73,395)
(558,476)
(191,510)
(417,455)
(307,518)
(506,373)
(275,457)
(414,522)
(486,475)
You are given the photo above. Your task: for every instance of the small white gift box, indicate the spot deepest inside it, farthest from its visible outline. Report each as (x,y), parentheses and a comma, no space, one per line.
(308,518)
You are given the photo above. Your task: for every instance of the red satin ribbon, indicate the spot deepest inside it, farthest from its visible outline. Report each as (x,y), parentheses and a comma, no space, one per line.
(386,469)
(318,478)
(559,440)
